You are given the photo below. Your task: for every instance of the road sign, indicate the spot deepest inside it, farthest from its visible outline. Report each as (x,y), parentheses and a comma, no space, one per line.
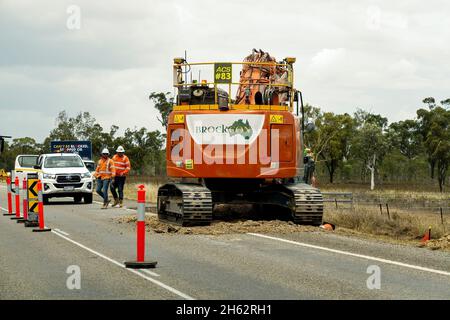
(32,197)
(32,188)
(83,148)
(33,206)
(223,73)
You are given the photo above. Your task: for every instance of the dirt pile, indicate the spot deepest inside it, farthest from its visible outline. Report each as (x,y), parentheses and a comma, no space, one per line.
(222,227)
(441,243)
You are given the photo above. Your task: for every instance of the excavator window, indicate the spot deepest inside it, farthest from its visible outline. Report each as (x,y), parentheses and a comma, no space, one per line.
(258,98)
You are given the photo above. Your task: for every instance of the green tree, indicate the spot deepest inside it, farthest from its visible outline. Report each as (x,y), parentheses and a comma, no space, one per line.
(369,145)
(143,147)
(406,138)
(314,139)
(333,138)
(164,104)
(363,117)
(434,126)
(65,128)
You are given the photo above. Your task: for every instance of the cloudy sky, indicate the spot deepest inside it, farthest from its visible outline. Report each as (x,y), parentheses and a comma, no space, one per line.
(383,56)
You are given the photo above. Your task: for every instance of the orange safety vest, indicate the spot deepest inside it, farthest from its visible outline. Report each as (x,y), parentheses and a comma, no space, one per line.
(121,164)
(105,169)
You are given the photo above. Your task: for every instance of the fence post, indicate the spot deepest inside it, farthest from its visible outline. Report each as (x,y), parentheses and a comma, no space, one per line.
(387,209)
(351,197)
(381,209)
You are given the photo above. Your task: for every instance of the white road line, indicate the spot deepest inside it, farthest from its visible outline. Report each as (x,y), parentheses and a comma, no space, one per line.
(62,232)
(154,274)
(401,264)
(159,283)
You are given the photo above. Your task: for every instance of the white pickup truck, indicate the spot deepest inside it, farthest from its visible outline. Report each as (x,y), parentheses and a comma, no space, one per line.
(65,175)
(62,175)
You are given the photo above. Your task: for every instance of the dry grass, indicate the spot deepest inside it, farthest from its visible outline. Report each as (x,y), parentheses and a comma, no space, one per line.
(402,224)
(392,194)
(130,191)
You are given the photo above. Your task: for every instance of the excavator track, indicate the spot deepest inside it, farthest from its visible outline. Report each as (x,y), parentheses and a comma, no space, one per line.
(308,206)
(185,204)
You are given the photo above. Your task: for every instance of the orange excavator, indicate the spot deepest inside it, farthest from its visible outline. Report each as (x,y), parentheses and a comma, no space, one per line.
(246,150)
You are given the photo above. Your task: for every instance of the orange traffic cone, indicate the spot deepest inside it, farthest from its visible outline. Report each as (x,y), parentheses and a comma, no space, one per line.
(328,226)
(427,235)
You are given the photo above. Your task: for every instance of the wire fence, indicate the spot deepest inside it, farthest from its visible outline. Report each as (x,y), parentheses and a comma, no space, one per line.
(346,200)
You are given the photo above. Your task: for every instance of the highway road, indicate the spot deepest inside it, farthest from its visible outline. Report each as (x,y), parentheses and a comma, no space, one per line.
(312,265)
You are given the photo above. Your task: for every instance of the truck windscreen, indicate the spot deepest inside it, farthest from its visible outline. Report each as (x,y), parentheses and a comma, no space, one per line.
(28,161)
(63,162)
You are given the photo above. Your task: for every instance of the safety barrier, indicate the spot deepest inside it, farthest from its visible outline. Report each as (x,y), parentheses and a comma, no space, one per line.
(31,187)
(42,227)
(32,200)
(8,186)
(140,262)
(17,199)
(24,201)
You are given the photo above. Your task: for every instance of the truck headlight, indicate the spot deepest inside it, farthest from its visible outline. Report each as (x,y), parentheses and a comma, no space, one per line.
(49,176)
(86,175)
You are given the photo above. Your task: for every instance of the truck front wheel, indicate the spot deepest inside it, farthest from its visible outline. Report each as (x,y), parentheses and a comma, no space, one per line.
(77,199)
(88,198)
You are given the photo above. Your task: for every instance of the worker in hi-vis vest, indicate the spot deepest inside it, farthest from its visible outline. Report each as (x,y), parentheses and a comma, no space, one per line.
(104,173)
(123,167)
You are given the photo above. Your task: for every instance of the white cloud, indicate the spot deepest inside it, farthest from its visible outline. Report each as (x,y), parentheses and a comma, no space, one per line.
(327,64)
(378,19)
(327,57)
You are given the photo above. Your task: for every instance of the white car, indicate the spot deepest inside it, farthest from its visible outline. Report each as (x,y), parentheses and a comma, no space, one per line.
(65,175)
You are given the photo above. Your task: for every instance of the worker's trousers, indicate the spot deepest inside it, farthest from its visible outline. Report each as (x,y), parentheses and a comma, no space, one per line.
(102,188)
(119,183)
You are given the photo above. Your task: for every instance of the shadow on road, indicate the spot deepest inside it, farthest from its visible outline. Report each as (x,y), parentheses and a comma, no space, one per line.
(63,202)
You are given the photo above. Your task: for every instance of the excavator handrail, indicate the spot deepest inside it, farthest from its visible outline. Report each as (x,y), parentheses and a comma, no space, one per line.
(232,83)
(180,77)
(242,62)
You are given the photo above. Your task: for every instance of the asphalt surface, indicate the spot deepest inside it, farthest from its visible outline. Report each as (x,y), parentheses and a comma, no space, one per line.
(313,265)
